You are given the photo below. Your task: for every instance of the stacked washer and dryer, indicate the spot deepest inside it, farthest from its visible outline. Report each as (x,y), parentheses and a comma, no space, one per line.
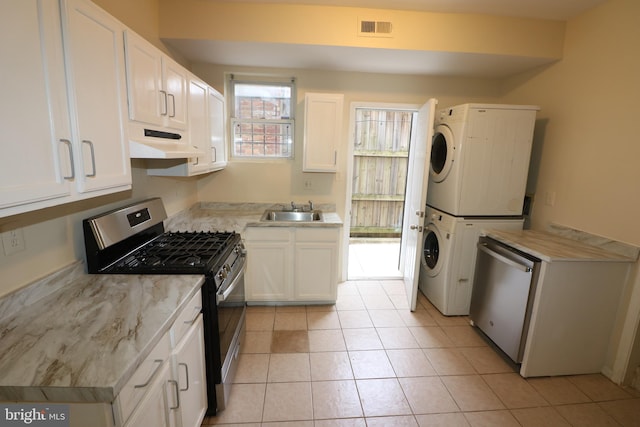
(477,180)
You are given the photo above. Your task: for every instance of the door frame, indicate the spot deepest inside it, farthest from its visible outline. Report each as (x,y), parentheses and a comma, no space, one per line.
(349,173)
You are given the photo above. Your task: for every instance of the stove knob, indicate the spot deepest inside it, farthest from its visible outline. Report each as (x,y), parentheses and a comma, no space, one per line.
(222,274)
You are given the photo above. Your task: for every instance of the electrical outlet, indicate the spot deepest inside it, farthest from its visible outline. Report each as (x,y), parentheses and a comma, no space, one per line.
(308,184)
(550,198)
(13,241)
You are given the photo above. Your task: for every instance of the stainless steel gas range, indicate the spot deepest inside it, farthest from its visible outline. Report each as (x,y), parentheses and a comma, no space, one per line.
(132,240)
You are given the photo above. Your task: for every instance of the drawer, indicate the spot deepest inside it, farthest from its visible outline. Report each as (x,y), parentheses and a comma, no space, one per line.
(139,383)
(317,235)
(269,234)
(186,318)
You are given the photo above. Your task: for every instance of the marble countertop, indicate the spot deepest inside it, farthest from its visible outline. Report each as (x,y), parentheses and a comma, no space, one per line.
(74,337)
(83,337)
(214,216)
(551,247)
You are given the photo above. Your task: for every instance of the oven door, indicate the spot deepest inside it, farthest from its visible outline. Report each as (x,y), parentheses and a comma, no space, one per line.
(231,309)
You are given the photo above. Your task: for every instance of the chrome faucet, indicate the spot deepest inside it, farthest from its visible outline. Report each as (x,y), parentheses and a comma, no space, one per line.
(310,205)
(293,206)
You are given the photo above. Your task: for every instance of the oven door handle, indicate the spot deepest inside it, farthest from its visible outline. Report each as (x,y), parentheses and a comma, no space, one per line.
(224,294)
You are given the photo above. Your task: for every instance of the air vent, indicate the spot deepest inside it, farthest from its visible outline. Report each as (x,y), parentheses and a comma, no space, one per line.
(373,28)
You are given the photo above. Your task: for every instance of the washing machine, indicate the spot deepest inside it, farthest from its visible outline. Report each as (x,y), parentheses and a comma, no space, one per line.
(480,159)
(449,257)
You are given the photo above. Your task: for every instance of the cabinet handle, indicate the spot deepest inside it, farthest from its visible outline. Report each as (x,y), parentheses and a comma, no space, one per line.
(197,158)
(192,321)
(175,383)
(186,370)
(153,374)
(93,158)
(335,157)
(164,95)
(71,163)
(173,104)
(214,154)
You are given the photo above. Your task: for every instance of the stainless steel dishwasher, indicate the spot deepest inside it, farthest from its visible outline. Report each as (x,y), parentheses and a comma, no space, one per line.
(502,296)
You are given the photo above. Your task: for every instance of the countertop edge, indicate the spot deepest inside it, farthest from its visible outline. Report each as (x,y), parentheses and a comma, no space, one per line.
(555,248)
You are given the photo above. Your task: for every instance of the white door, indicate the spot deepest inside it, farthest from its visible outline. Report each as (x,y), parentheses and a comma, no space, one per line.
(416,199)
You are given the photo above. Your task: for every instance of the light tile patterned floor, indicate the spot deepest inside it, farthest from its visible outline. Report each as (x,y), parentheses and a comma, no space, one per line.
(369,361)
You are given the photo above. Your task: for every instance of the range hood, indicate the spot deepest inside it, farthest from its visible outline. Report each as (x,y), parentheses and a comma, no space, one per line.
(161,150)
(150,143)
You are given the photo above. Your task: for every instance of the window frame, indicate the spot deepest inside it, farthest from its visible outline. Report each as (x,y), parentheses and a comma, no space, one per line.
(233,120)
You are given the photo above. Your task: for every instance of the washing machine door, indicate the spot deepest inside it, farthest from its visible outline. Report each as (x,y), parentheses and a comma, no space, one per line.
(442,152)
(431,247)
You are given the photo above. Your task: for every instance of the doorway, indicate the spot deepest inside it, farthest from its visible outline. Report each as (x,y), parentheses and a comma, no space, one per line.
(380,159)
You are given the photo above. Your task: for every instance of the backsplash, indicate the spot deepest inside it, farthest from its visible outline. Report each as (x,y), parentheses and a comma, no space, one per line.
(605,243)
(39,289)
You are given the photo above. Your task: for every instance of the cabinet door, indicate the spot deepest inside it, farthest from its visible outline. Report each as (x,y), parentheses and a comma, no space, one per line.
(268,271)
(154,409)
(316,264)
(94,55)
(175,85)
(147,99)
(190,374)
(199,126)
(217,130)
(322,131)
(33,115)
(269,264)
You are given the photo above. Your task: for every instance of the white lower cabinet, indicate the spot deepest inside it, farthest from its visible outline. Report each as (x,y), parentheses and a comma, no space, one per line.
(188,366)
(292,264)
(169,388)
(155,408)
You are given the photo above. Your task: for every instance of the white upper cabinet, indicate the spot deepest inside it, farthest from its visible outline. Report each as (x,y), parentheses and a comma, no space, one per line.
(217,129)
(175,85)
(94,55)
(34,117)
(206,134)
(157,85)
(322,131)
(147,100)
(65,129)
(199,127)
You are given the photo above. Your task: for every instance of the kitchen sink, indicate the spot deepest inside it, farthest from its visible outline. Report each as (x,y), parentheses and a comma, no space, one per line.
(294,216)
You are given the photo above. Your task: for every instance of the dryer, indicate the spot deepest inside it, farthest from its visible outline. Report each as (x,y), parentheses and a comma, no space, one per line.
(449,257)
(480,159)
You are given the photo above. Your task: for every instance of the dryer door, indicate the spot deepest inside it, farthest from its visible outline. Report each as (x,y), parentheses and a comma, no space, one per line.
(431,247)
(442,153)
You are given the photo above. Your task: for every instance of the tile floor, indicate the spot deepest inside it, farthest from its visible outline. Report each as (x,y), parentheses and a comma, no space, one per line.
(369,361)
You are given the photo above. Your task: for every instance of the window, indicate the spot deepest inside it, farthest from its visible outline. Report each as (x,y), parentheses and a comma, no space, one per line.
(262,118)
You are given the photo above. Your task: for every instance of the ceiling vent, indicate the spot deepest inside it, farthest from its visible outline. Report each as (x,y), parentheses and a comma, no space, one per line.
(373,28)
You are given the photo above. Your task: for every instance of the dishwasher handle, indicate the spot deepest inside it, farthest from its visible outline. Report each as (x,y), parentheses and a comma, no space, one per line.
(487,250)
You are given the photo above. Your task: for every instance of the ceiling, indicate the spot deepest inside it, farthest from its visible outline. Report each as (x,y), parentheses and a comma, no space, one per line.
(391,61)
(543,9)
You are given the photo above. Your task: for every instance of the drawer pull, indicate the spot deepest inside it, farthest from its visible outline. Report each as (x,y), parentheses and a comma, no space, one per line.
(192,321)
(153,374)
(186,370)
(175,383)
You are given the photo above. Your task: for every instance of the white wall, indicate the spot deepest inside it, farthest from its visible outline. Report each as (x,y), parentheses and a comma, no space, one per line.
(587,146)
(283,180)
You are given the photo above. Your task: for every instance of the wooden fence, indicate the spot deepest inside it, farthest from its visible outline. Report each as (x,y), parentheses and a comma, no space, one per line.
(381,156)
